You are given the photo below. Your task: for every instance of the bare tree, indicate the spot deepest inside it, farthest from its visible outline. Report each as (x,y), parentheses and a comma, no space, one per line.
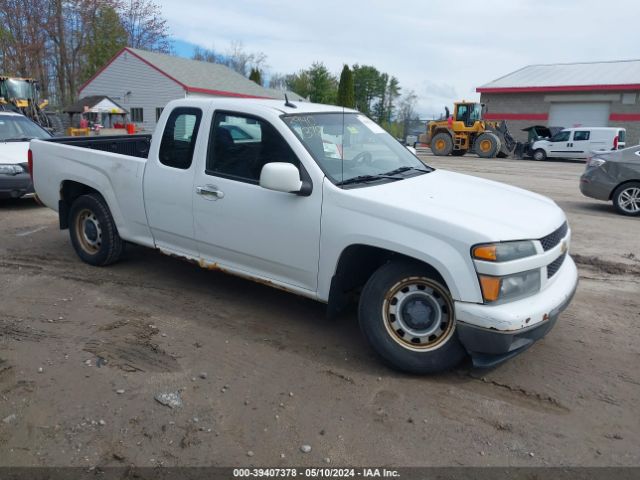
(145,25)
(242,61)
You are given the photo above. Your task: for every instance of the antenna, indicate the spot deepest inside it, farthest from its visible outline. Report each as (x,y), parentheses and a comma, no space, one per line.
(287,103)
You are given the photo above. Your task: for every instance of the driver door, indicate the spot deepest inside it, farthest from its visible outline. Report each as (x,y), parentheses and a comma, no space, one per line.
(244,227)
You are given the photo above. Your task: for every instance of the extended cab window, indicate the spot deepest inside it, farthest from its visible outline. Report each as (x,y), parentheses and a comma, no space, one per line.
(239,146)
(580,135)
(179,137)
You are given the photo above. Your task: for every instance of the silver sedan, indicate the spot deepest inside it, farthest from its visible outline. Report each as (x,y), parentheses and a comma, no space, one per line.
(614,176)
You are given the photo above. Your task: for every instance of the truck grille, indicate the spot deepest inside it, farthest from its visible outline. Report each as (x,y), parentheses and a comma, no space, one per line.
(554,266)
(554,237)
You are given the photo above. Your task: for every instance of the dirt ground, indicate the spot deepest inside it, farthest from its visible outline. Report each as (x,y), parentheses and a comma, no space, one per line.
(84,351)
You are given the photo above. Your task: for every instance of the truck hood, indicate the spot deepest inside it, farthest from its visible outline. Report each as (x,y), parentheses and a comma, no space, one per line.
(490,211)
(13,152)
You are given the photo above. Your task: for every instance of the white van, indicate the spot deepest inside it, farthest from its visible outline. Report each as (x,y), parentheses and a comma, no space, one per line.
(579,142)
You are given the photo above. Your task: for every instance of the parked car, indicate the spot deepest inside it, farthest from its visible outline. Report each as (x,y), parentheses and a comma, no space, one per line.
(16,131)
(579,142)
(436,277)
(614,176)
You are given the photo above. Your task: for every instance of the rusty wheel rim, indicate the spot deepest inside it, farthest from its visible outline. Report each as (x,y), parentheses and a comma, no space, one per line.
(440,144)
(418,314)
(88,231)
(485,145)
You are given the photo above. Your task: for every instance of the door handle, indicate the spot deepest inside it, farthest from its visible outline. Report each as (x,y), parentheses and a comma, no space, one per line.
(210,192)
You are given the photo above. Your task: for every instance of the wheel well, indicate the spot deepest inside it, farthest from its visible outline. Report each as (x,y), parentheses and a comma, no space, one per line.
(619,185)
(69,191)
(356,265)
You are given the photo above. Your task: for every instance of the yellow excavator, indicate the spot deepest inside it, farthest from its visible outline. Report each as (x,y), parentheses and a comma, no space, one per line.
(466,131)
(22,95)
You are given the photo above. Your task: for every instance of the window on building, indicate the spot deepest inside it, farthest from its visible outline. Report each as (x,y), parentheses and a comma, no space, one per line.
(158,112)
(580,135)
(179,137)
(137,115)
(239,146)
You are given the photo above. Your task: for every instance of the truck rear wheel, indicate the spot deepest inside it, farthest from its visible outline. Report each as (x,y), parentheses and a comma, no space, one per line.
(408,318)
(93,232)
(487,145)
(442,144)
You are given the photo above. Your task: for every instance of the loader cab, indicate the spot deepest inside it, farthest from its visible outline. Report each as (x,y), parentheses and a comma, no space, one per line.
(468,113)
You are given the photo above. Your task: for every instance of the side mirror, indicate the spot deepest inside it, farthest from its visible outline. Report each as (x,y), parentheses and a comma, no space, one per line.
(281,177)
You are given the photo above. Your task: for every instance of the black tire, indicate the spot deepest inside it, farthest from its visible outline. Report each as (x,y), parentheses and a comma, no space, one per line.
(458,153)
(56,123)
(539,155)
(487,145)
(626,199)
(93,232)
(435,351)
(442,144)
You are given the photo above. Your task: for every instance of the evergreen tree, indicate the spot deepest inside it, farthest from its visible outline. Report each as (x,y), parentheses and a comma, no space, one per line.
(106,37)
(255,76)
(346,91)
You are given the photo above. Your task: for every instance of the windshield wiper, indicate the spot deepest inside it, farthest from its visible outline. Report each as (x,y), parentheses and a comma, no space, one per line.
(19,139)
(367,178)
(405,169)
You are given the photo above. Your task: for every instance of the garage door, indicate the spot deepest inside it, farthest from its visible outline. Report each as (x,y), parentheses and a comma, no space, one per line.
(579,115)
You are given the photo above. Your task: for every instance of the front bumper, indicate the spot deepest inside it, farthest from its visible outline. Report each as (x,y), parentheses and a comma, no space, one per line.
(493,334)
(15,186)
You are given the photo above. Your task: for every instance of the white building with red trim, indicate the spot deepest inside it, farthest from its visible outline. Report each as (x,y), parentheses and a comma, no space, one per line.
(144,82)
(594,94)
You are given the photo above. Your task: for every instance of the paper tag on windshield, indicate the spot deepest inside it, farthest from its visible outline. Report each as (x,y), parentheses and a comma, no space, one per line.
(370,124)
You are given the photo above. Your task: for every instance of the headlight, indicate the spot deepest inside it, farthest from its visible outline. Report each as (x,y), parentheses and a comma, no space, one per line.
(509,287)
(11,169)
(504,252)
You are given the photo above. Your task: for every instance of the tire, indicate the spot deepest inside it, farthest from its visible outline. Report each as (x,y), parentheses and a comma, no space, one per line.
(55,122)
(487,145)
(93,232)
(539,155)
(442,144)
(458,153)
(414,345)
(626,199)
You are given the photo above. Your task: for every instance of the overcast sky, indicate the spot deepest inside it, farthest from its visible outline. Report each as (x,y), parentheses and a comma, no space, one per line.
(442,50)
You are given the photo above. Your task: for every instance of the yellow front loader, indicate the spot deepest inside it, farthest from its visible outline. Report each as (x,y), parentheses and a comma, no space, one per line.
(466,131)
(21,95)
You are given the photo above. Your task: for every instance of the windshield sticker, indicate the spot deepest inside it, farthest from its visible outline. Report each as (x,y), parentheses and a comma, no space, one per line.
(307,126)
(370,124)
(352,130)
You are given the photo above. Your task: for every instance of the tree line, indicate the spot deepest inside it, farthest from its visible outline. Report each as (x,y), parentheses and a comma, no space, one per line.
(61,43)
(375,93)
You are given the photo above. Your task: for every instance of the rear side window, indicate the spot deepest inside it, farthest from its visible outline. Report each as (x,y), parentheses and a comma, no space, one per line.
(621,135)
(179,137)
(581,135)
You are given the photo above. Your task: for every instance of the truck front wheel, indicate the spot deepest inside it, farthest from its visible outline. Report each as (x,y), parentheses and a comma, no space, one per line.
(93,232)
(408,318)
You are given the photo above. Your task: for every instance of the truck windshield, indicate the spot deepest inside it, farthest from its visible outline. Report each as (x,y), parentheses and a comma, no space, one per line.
(15,128)
(352,149)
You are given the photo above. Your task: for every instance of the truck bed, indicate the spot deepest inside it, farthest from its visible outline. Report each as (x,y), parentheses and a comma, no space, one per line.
(132,145)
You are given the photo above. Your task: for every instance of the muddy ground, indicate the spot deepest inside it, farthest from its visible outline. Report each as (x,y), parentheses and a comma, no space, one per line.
(84,350)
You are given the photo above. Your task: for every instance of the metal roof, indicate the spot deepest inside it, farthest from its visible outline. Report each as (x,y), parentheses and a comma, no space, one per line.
(614,75)
(201,77)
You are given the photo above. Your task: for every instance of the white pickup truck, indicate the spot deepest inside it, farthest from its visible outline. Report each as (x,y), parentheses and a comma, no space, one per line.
(320,201)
